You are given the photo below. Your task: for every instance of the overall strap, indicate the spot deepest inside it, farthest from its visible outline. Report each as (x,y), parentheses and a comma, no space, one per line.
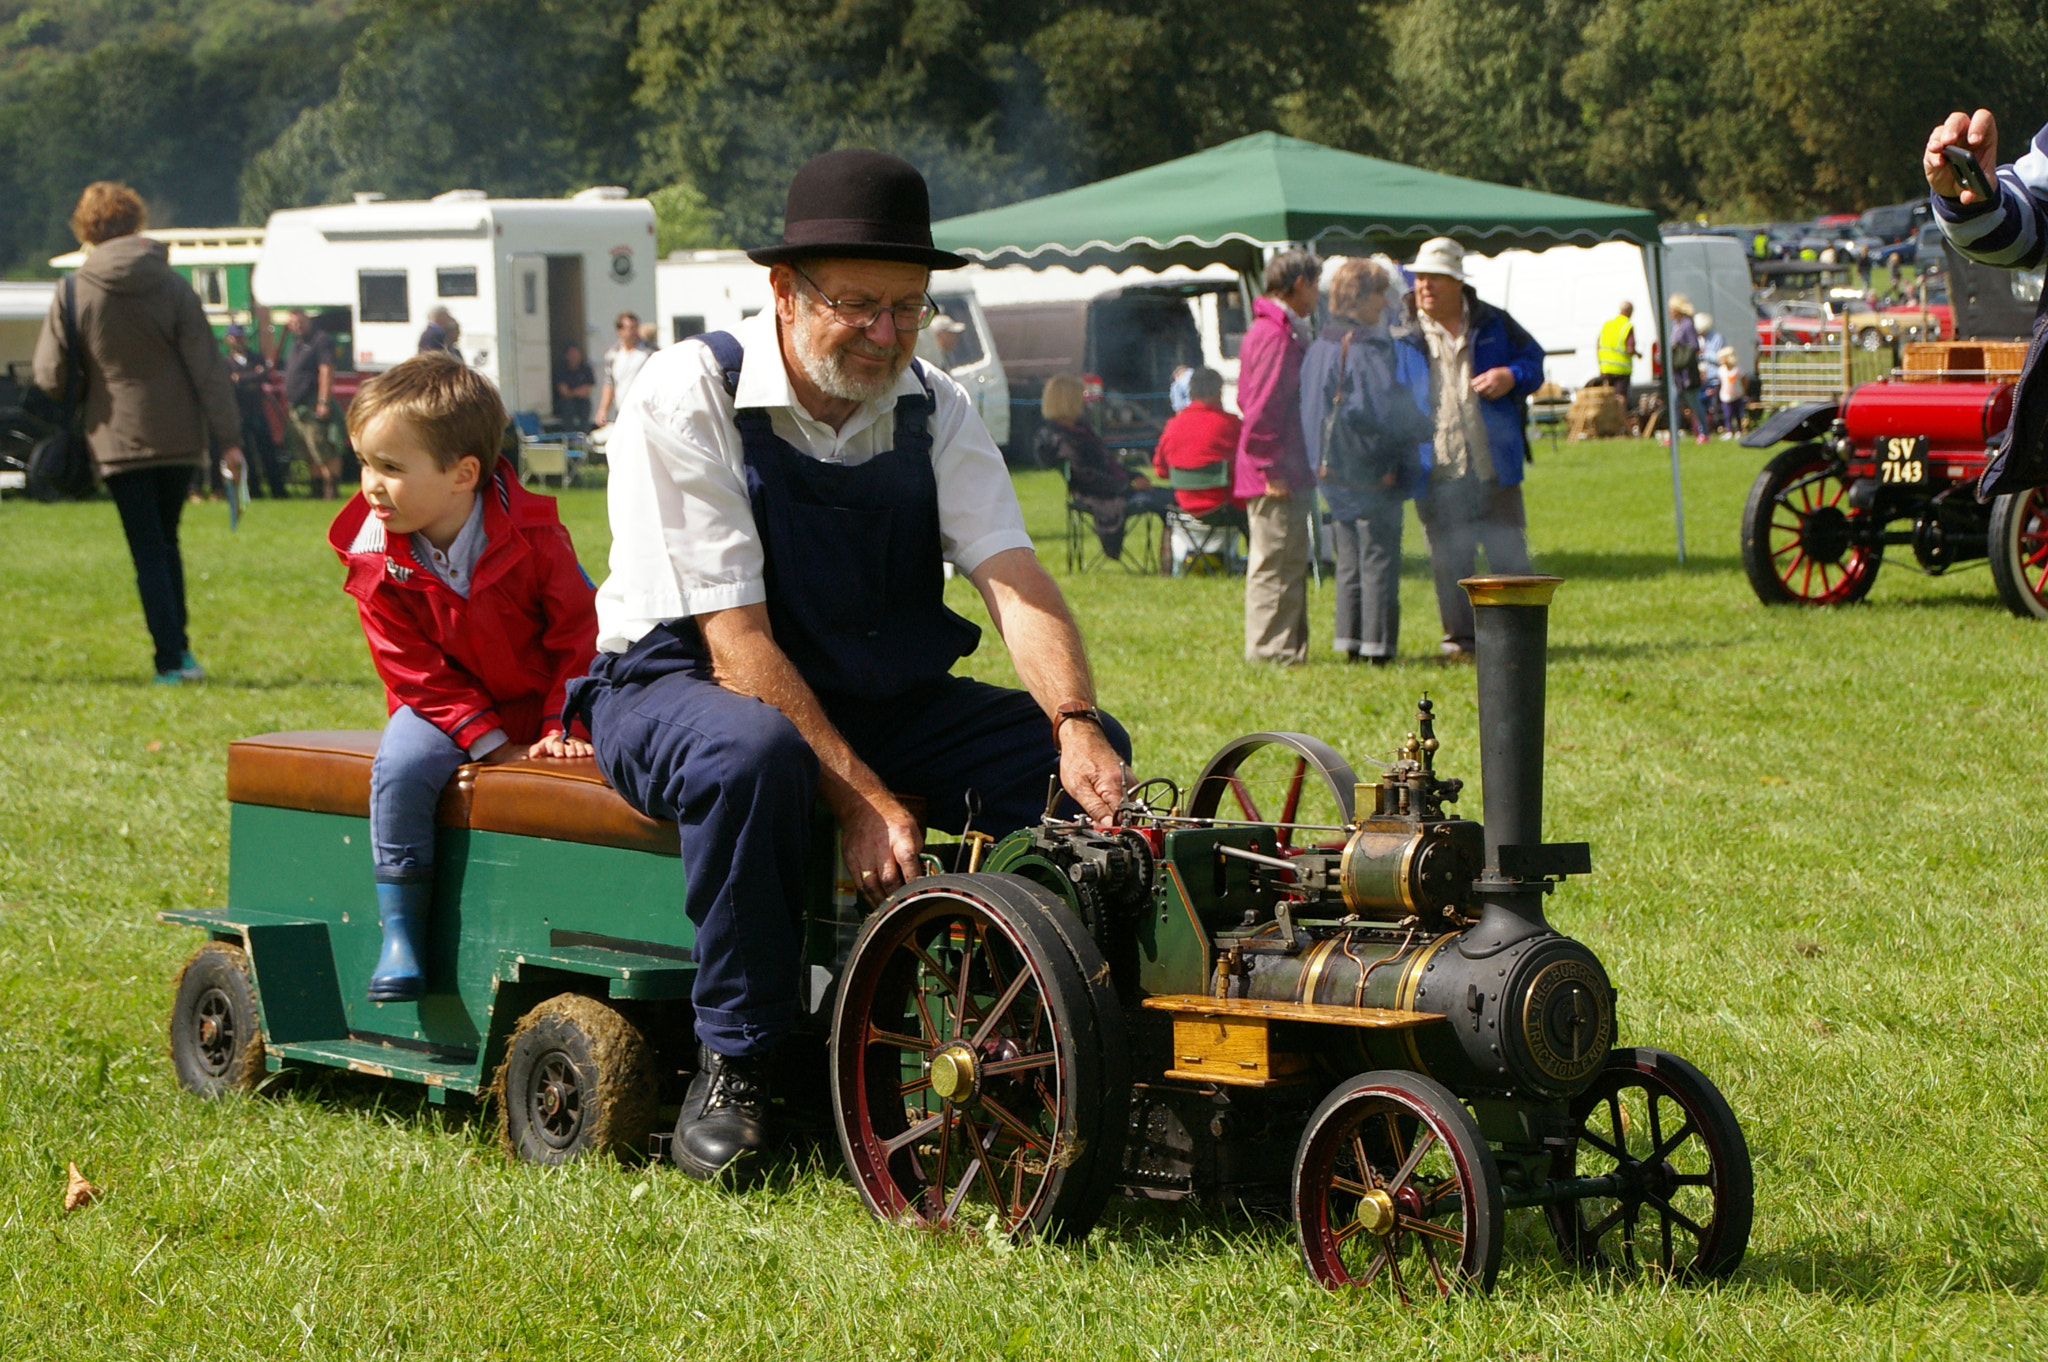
(913,415)
(726,349)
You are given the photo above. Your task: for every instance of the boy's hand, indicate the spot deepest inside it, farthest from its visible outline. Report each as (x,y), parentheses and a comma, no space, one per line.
(560,745)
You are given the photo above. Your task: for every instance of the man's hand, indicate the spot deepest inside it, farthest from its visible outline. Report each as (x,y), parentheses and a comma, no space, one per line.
(232,462)
(320,410)
(559,745)
(1494,383)
(1275,487)
(1978,133)
(1090,769)
(879,840)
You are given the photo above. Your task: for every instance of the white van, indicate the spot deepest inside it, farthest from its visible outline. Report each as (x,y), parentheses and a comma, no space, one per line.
(703,291)
(1564,295)
(525,278)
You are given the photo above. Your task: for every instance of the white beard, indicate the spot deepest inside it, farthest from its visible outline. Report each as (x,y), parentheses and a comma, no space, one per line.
(828,370)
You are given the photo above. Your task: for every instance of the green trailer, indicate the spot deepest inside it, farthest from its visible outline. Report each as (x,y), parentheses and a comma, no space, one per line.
(219,263)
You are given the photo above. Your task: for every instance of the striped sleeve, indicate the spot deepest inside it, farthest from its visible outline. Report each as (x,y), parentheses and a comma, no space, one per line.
(2012,233)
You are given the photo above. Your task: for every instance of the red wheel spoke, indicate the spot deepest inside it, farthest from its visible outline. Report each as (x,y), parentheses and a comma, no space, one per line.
(974,1166)
(1002,1005)
(1347,1185)
(877,1036)
(914,1086)
(1443,1284)
(1431,1229)
(1422,1146)
(914,1133)
(1350,1231)
(1245,803)
(1373,1268)
(1292,803)
(1025,1134)
(960,1000)
(1021,1064)
(1364,1163)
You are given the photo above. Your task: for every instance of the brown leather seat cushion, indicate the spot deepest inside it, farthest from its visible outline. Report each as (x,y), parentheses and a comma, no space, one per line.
(329,772)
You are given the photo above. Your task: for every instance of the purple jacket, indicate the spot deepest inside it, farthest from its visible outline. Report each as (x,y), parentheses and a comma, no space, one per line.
(1269,395)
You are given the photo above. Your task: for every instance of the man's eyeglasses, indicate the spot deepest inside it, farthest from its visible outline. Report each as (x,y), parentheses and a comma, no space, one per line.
(862,315)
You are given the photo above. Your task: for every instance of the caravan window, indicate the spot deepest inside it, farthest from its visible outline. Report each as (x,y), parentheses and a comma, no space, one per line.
(381,294)
(210,282)
(456,283)
(682,328)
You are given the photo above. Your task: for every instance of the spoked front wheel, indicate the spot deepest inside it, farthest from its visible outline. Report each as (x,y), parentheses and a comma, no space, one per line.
(2019,551)
(1801,543)
(1394,1185)
(1680,1191)
(979,1067)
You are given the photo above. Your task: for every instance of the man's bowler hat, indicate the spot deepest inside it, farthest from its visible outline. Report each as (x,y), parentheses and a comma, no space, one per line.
(861,205)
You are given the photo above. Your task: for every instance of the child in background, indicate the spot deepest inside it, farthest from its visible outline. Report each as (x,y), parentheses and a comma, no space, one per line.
(1734,393)
(477,615)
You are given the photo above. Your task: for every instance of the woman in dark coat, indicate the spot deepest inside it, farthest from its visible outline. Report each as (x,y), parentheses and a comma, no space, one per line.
(1096,482)
(157,396)
(1363,429)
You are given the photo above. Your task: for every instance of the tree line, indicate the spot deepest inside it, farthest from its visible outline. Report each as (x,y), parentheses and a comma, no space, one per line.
(220,111)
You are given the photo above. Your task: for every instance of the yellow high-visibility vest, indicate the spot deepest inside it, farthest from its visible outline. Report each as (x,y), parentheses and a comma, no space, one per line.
(1614,339)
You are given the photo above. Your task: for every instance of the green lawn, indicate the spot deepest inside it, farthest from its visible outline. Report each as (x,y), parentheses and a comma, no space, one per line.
(1818,860)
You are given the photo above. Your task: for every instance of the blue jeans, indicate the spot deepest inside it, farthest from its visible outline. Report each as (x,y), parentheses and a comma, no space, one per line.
(413,765)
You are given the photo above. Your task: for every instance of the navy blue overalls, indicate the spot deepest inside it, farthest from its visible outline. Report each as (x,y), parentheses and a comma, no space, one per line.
(856,600)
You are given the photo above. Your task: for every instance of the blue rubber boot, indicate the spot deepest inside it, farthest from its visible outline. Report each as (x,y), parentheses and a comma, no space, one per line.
(402,909)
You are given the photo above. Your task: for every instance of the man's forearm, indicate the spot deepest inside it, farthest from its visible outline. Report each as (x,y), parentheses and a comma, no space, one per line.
(746,660)
(1036,626)
(325,388)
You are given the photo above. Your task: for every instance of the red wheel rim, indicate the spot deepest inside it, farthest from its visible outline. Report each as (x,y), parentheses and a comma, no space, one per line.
(1385,1146)
(2030,548)
(952,985)
(1809,507)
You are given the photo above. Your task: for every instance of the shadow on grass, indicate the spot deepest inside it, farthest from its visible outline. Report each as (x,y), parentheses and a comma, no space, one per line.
(1819,1268)
(141,681)
(1617,567)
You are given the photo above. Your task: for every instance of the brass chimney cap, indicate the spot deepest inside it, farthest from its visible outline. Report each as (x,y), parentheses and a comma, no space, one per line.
(1533,590)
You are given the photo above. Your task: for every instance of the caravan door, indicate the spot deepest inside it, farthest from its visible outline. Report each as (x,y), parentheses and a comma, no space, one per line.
(529,370)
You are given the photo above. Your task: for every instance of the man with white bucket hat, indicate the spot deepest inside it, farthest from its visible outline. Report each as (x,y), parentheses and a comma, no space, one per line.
(1482,367)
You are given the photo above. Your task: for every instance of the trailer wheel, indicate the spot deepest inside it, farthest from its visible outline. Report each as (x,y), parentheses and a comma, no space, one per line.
(216,1040)
(980,1072)
(1869,338)
(577,1078)
(1798,540)
(1393,1184)
(1686,1192)
(2019,551)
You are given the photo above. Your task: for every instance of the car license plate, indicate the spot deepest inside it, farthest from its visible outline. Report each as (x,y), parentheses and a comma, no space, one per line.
(1903,459)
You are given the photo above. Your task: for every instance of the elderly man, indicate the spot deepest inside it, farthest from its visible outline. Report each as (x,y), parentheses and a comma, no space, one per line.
(1482,368)
(1273,480)
(442,332)
(774,628)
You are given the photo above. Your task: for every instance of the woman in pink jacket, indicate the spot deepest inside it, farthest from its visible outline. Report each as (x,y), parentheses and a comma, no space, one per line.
(1272,475)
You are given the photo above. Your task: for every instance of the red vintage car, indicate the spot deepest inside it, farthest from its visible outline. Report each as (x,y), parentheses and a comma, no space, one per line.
(1895,466)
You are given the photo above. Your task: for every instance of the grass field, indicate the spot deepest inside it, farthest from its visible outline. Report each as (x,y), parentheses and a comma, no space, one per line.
(1818,874)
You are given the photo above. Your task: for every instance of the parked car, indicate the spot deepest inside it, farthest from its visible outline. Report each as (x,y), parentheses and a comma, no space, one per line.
(1895,223)
(1796,321)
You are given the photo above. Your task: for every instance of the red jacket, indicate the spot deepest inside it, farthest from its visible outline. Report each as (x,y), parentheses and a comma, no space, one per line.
(1198,437)
(500,659)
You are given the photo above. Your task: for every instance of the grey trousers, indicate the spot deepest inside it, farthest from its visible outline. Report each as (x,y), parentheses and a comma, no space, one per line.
(1368,552)
(1276,580)
(1460,516)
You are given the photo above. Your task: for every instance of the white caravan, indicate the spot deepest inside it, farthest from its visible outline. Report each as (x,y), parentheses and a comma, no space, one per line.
(1565,294)
(525,278)
(703,291)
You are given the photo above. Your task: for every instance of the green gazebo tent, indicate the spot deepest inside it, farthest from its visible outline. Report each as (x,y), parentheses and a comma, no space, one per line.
(1234,204)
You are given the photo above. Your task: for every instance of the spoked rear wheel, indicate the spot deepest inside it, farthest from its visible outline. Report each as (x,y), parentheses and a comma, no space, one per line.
(1684,1193)
(979,1067)
(2019,551)
(1394,1186)
(1801,545)
(1278,778)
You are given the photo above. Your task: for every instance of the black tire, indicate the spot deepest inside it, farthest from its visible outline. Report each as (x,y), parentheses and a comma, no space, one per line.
(1797,533)
(577,1079)
(216,1034)
(2018,541)
(1037,1079)
(1390,1167)
(1695,1179)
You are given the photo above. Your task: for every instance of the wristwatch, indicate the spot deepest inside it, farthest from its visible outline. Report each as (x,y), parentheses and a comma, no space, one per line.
(1074,709)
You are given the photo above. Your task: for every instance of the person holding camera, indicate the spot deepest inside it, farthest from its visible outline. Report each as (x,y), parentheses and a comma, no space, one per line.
(1999,215)
(1364,432)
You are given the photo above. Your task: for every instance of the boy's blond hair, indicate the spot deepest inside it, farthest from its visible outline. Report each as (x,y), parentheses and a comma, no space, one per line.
(455,410)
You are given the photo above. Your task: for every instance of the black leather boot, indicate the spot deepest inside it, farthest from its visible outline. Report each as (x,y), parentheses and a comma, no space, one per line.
(724,1119)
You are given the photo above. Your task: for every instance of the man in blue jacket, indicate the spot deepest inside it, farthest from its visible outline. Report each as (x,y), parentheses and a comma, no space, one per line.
(1482,367)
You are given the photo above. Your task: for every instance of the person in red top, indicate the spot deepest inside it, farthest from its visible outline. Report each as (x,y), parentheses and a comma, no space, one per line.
(1196,450)
(477,614)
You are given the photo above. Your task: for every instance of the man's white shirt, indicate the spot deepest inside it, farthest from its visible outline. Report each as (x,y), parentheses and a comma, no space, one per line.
(683,535)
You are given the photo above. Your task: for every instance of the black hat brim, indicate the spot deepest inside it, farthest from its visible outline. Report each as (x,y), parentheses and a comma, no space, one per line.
(928,256)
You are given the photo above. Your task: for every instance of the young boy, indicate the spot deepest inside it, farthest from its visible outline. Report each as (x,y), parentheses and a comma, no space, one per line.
(477,616)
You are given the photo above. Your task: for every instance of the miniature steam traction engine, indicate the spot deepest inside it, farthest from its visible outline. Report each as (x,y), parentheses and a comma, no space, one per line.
(1364,1014)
